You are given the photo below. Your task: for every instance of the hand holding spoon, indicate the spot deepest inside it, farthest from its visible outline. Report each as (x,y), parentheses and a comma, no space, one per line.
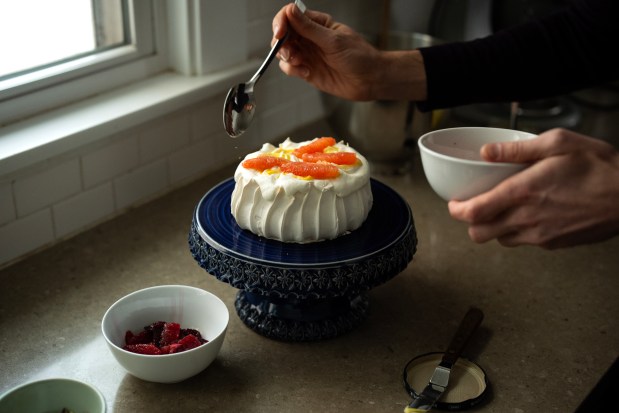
(240,104)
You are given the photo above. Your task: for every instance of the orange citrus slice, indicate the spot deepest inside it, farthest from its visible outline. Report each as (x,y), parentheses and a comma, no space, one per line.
(338,158)
(262,163)
(313,170)
(315,146)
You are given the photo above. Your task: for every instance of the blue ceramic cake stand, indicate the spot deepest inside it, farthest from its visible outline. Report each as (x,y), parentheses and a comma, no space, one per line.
(303,292)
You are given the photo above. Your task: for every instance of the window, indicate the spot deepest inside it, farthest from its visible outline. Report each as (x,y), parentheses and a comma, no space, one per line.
(56,31)
(57,52)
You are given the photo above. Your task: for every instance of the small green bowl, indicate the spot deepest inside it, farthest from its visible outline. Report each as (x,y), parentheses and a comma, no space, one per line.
(51,396)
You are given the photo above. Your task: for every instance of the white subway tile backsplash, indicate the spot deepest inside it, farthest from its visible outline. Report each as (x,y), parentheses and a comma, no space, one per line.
(83,210)
(207,119)
(192,161)
(163,137)
(110,161)
(25,235)
(42,189)
(7,206)
(276,122)
(141,184)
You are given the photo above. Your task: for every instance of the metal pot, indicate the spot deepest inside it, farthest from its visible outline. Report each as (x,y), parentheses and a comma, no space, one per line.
(385,132)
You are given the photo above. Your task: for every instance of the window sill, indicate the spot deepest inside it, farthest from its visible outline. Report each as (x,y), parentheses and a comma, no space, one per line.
(65,129)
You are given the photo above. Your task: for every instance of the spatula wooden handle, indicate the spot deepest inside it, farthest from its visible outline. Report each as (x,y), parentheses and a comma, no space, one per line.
(467,327)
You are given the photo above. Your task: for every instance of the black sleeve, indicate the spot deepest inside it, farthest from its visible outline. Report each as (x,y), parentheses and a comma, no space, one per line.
(571,49)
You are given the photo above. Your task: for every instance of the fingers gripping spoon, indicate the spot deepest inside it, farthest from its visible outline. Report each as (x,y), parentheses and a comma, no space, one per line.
(240,103)
(440,378)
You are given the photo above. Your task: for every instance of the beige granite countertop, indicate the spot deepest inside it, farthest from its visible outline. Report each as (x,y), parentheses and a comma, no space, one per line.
(550,329)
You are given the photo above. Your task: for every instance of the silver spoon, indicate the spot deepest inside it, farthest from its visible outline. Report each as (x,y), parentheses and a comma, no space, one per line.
(240,104)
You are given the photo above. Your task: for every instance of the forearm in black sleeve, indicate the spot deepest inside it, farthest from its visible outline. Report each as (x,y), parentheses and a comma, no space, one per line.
(566,51)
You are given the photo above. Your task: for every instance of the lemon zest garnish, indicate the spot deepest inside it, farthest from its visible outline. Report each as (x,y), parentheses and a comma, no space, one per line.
(281,153)
(331,149)
(354,165)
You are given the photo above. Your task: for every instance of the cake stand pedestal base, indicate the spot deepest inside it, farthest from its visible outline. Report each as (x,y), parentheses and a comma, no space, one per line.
(305,320)
(303,292)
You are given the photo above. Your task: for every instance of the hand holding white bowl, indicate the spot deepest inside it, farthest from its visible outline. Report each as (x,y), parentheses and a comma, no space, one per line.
(454,167)
(568,196)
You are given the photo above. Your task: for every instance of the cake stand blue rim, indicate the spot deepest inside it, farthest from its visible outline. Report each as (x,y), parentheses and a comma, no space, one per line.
(389,221)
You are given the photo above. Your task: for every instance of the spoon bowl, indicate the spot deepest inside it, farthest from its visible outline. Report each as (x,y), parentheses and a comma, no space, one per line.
(239,108)
(240,103)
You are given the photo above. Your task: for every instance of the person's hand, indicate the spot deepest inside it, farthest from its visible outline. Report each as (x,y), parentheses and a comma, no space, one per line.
(337,60)
(329,55)
(568,196)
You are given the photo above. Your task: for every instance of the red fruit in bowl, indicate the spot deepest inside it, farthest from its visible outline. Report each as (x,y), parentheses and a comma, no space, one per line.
(190,341)
(149,349)
(170,333)
(163,337)
(173,348)
(155,329)
(194,332)
(143,337)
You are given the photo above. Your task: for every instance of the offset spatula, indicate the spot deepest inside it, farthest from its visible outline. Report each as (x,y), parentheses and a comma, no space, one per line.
(440,378)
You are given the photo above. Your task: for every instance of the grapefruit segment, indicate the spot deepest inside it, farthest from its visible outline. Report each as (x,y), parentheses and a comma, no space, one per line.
(262,163)
(338,158)
(314,170)
(317,145)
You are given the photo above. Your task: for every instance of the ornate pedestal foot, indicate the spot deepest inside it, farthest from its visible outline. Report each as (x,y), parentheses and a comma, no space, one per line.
(307,320)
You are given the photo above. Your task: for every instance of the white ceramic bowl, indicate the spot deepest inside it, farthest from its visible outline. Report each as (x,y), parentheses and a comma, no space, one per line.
(52,395)
(453,165)
(190,307)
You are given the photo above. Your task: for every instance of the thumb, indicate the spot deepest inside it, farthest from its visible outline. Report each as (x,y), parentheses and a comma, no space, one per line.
(513,152)
(550,143)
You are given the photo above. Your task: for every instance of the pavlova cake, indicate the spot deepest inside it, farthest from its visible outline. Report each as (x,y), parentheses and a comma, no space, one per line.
(302,192)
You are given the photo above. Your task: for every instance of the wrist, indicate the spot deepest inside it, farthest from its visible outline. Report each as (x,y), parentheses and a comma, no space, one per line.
(400,76)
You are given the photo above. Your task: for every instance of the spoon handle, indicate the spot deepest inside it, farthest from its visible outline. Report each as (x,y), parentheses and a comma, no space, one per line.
(249,86)
(278,44)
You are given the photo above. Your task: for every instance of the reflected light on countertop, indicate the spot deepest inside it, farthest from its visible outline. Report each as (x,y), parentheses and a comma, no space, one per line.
(91,363)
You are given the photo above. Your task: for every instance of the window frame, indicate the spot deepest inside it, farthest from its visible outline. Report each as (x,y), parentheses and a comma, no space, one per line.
(43,90)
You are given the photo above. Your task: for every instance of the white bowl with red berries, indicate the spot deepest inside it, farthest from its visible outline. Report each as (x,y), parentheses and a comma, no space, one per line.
(167,333)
